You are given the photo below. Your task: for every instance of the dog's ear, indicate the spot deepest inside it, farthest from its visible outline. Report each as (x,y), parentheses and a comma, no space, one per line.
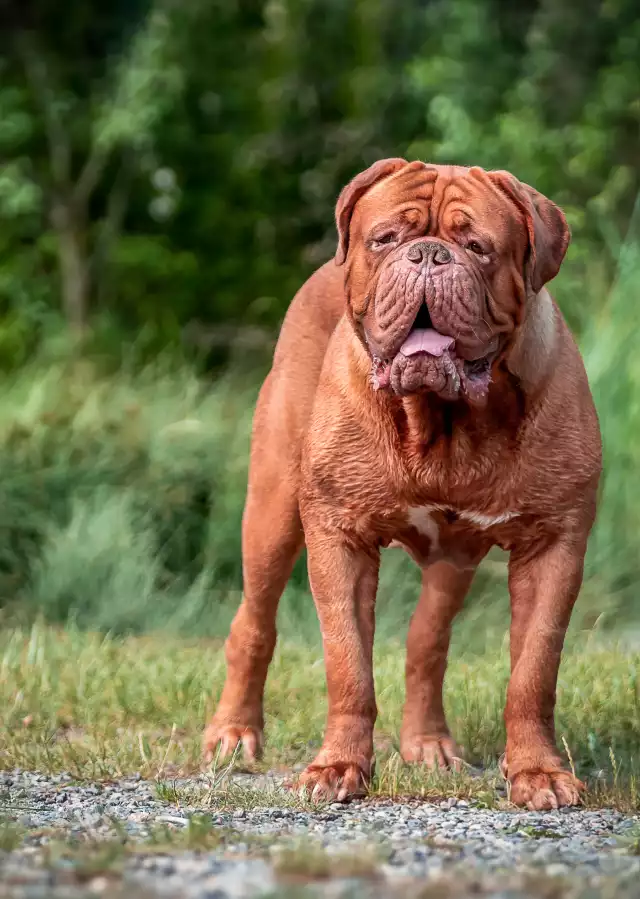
(350,195)
(547,227)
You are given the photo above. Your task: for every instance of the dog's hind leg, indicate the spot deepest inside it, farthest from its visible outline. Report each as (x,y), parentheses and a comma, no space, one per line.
(272,538)
(425,736)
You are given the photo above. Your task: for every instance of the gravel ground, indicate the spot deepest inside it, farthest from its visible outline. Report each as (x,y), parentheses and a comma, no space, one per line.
(369,848)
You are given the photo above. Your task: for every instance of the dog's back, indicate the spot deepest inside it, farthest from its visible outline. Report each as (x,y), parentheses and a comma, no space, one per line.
(286,398)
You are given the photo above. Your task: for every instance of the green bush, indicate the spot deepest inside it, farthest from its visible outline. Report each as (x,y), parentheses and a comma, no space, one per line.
(110,486)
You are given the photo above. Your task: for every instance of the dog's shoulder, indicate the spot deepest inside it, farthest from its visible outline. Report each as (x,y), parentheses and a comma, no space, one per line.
(562,425)
(288,393)
(312,316)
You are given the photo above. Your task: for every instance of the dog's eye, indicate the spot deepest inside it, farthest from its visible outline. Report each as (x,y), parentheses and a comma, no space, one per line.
(475,247)
(383,240)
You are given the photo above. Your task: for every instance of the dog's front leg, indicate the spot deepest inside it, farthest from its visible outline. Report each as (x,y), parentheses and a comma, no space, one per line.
(344,580)
(543,587)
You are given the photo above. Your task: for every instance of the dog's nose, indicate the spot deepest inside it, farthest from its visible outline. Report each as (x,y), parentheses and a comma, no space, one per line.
(428,251)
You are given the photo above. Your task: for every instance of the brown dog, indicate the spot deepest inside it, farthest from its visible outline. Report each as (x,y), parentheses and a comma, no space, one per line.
(425,391)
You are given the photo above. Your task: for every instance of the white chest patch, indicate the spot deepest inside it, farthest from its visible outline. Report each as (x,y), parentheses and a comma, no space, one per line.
(421,519)
(487,521)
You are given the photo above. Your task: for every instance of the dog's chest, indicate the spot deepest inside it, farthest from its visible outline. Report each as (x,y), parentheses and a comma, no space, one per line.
(454,500)
(430,532)
(422,518)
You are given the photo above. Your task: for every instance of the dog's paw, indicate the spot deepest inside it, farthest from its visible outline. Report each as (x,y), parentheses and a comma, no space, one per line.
(434,752)
(222,740)
(540,791)
(332,783)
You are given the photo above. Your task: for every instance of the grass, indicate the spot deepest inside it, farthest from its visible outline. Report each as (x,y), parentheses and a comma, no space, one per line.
(537,833)
(11,835)
(306,860)
(632,842)
(100,707)
(87,859)
(220,789)
(91,857)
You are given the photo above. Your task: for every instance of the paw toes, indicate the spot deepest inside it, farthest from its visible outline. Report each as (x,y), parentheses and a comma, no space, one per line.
(327,783)
(542,801)
(434,752)
(543,791)
(567,788)
(222,741)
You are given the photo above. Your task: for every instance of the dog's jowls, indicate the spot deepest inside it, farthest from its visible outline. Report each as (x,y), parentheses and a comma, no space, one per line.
(425,392)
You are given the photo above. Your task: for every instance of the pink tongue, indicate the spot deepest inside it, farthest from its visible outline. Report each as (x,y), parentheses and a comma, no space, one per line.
(426,340)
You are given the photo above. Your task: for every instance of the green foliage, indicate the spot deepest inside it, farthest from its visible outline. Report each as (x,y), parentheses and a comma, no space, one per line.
(119,484)
(214,137)
(611,354)
(146,82)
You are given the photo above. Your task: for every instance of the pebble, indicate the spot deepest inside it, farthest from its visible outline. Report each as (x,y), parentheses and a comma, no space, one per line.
(463,849)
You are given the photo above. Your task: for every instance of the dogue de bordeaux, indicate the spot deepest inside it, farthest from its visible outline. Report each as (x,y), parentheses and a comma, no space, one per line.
(426,392)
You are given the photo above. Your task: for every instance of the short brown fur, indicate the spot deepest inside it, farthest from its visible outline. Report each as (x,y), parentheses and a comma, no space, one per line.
(348,470)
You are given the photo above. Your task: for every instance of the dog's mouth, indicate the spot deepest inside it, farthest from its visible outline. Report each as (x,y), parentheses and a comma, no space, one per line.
(428,352)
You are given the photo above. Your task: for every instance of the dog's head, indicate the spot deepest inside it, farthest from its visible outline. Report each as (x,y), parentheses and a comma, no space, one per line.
(440,265)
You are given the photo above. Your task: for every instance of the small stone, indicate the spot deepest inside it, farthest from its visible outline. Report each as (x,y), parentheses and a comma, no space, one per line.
(557,870)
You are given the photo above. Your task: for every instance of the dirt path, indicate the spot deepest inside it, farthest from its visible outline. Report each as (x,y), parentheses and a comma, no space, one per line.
(62,839)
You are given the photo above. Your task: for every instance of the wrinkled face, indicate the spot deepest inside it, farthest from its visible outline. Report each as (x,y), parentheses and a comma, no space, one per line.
(435,276)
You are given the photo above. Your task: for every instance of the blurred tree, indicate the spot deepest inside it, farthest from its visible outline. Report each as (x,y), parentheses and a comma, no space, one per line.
(77,121)
(166,164)
(284,102)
